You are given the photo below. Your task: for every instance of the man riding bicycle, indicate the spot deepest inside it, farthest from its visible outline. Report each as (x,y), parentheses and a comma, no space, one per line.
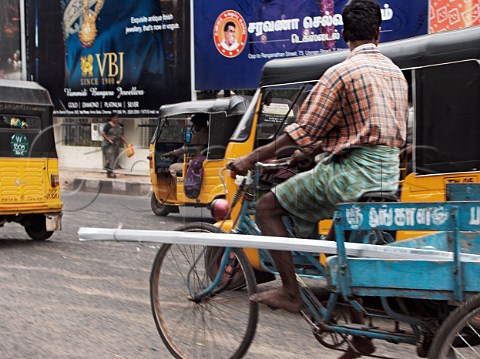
(358,111)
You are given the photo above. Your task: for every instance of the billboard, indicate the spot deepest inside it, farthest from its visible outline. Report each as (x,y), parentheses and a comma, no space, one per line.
(101,56)
(453,14)
(234,38)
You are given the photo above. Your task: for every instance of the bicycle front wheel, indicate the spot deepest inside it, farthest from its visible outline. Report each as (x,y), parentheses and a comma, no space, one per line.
(459,334)
(194,322)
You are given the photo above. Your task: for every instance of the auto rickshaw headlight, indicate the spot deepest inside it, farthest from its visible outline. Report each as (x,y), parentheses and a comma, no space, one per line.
(219,209)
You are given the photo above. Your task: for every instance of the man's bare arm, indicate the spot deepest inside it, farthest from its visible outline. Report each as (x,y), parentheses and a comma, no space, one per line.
(280,146)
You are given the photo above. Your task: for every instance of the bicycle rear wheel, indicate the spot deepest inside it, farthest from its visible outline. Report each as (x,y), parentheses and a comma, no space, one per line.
(220,324)
(459,334)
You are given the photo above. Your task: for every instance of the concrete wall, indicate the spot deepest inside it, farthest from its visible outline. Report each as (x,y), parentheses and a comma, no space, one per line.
(91,157)
(79,157)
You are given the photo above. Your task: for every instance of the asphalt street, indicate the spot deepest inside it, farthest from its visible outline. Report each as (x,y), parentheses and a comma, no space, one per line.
(68,299)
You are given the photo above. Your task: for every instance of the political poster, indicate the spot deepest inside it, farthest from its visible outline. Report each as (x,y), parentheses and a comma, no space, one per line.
(234,38)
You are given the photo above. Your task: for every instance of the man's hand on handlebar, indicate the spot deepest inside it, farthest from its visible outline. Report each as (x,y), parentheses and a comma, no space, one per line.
(241,165)
(279,147)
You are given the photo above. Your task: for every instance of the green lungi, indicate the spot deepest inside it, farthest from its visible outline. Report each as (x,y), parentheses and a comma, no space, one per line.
(312,196)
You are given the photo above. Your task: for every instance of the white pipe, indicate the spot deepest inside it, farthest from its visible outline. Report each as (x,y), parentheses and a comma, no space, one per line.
(23,40)
(264,242)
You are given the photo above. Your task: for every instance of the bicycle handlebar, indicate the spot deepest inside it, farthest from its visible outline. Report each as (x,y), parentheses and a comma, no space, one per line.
(273,165)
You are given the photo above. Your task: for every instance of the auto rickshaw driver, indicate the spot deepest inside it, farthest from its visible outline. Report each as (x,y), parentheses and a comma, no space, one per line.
(197,143)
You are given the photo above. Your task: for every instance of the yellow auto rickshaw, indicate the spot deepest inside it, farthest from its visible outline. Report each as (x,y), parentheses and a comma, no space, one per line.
(444,72)
(175,132)
(29,182)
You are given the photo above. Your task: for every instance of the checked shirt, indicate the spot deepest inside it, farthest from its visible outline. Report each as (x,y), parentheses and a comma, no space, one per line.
(360,102)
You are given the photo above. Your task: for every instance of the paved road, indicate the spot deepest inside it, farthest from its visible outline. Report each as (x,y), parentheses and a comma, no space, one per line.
(68,299)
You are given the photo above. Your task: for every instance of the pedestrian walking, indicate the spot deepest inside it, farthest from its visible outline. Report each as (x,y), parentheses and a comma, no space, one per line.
(112,134)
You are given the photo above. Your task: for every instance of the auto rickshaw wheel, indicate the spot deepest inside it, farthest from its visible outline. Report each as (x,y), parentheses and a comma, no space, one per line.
(231,277)
(161,210)
(36,228)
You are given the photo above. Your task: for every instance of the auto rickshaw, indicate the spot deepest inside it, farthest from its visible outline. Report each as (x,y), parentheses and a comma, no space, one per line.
(444,73)
(29,182)
(174,131)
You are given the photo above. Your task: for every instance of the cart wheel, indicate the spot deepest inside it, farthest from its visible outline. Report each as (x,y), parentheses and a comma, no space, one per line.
(332,340)
(459,334)
(36,228)
(159,209)
(220,324)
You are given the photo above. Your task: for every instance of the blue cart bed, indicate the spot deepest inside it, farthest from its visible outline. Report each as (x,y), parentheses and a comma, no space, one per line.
(457,232)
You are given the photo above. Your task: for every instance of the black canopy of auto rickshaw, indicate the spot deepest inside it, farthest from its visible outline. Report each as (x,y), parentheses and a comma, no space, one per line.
(446,93)
(235,105)
(25,99)
(418,51)
(219,110)
(25,93)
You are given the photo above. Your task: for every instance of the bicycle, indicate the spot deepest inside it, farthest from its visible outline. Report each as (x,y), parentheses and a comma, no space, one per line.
(206,311)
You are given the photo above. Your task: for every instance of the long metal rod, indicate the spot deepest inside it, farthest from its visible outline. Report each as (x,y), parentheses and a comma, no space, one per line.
(264,242)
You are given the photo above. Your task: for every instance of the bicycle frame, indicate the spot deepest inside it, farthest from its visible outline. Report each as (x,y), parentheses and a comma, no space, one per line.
(245,224)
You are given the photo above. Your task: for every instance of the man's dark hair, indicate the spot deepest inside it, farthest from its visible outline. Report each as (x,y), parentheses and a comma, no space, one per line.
(201,118)
(361,19)
(230,23)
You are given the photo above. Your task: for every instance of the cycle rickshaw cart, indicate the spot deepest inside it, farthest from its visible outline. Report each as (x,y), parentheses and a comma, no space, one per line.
(423,290)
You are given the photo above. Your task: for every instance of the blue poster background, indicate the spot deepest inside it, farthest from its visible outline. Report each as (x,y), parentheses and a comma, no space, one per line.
(135,63)
(280,29)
